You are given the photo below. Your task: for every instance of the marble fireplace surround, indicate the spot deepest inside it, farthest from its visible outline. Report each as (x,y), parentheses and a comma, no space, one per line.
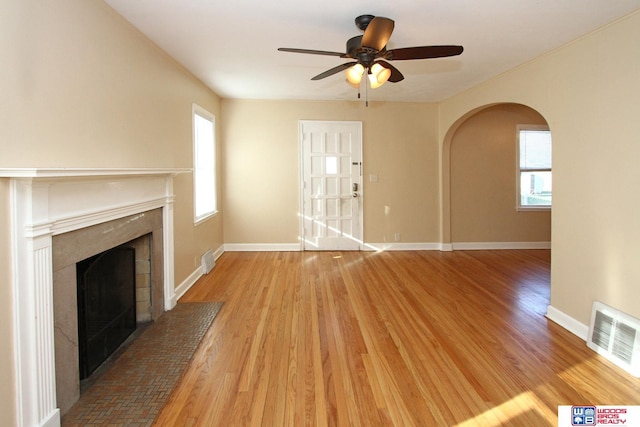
(74,246)
(46,203)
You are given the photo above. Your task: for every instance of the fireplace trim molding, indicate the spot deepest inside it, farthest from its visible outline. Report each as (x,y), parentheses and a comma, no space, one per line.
(45,202)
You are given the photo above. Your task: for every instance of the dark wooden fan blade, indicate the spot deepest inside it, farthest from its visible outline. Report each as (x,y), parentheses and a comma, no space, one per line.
(333,71)
(311,51)
(396,75)
(423,52)
(378,33)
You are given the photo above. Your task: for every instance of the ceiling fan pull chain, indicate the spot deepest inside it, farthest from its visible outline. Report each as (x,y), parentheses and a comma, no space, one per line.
(366,94)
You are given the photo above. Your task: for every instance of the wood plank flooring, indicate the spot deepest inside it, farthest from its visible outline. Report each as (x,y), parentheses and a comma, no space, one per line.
(387,339)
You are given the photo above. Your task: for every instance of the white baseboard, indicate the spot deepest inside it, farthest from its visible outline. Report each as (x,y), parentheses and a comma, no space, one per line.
(446,247)
(470,246)
(569,323)
(187,283)
(392,246)
(398,246)
(262,247)
(218,252)
(295,247)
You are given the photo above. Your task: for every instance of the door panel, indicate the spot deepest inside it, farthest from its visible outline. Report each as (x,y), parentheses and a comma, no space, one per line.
(331,166)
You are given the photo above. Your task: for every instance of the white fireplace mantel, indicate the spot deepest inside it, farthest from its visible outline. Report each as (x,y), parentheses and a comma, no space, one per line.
(45,202)
(87,172)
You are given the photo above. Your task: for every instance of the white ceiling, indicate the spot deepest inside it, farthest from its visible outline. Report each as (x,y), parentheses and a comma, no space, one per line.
(232,45)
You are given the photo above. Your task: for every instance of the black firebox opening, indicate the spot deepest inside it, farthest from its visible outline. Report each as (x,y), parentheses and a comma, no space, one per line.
(106,305)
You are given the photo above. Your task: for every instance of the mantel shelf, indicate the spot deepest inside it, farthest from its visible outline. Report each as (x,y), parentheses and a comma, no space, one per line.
(88,172)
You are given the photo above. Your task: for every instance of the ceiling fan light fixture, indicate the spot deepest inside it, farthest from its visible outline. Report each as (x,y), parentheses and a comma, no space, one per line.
(354,85)
(354,74)
(378,75)
(373,82)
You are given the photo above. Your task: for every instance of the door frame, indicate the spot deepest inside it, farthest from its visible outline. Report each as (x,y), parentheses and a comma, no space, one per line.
(301,179)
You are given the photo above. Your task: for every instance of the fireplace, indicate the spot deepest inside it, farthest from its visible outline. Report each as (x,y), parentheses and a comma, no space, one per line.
(106,305)
(145,232)
(51,212)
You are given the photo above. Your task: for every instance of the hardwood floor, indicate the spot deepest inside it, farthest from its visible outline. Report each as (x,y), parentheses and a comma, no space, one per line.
(387,339)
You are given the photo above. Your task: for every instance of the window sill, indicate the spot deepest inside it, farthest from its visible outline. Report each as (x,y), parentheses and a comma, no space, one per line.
(533,208)
(202,219)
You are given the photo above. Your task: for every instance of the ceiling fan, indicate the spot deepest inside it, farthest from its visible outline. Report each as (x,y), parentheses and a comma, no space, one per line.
(370,54)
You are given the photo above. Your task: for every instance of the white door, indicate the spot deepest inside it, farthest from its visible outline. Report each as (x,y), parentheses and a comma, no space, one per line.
(331,185)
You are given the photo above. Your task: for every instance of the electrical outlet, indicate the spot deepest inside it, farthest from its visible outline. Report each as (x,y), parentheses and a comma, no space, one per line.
(396,237)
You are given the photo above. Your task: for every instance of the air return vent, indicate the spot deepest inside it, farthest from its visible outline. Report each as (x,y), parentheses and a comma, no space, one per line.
(616,336)
(208,262)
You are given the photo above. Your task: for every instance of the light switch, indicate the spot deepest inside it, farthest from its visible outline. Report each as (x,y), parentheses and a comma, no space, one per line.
(373,178)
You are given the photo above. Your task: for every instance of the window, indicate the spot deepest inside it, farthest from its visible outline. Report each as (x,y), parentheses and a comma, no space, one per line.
(204,164)
(534,168)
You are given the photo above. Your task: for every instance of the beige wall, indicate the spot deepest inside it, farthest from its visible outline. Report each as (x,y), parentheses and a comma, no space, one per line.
(82,88)
(88,90)
(261,168)
(7,395)
(588,91)
(483,179)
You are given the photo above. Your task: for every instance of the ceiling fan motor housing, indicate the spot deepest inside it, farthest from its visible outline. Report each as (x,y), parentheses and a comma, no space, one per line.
(355,50)
(353,45)
(362,21)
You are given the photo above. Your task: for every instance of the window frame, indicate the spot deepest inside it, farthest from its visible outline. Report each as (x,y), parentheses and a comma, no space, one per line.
(204,114)
(519,170)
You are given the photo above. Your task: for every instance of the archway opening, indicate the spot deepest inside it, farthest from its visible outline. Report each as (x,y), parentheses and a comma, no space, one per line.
(480,186)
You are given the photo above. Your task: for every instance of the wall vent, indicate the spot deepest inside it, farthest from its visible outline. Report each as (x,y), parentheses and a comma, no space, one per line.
(616,336)
(208,262)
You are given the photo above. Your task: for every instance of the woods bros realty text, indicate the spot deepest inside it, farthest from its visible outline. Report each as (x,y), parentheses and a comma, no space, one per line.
(592,415)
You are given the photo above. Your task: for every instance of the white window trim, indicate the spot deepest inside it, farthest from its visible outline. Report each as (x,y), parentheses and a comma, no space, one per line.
(198,110)
(519,207)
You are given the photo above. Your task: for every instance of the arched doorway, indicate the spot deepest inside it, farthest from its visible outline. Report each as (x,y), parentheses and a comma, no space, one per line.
(479,182)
